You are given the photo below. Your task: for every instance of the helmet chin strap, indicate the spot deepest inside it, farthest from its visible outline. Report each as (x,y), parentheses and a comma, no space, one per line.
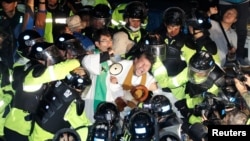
(195,33)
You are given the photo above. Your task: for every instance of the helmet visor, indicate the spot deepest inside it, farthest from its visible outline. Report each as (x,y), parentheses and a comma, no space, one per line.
(99,23)
(30,43)
(198,76)
(51,55)
(74,48)
(159,50)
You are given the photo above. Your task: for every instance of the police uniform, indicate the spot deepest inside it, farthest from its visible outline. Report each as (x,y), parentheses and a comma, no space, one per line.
(12,28)
(20,115)
(61,108)
(6,94)
(55,21)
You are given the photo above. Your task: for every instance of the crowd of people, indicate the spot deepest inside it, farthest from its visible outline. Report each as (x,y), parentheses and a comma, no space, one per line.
(104,70)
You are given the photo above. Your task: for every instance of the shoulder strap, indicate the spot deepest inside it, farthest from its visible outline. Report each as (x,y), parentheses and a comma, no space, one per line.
(225,35)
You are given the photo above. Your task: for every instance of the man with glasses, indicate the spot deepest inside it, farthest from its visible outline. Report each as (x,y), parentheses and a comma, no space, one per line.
(98,66)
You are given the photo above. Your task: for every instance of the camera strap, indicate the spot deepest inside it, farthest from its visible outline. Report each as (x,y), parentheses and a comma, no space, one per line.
(225,35)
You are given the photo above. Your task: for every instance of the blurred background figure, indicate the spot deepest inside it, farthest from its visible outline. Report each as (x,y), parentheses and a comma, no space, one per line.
(240,26)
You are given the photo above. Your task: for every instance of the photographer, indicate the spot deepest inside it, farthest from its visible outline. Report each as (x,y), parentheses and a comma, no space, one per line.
(242,88)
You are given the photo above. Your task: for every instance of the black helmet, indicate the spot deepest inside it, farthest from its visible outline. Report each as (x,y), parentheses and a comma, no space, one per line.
(198,20)
(200,66)
(174,16)
(85,10)
(204,5)
(107,111)
(100,131)
(156,44)
(135,9)
(101,11)
(141,124)
(198,132)
(161,104)
(27,39)
(102,14)
(69,43)
(45,51)
(66,131)
(78,81)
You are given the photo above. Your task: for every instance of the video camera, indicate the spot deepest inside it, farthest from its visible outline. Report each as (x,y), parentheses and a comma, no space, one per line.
(233,70)
(212,104)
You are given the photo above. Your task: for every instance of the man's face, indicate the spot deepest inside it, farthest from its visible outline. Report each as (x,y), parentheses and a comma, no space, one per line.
(230,16)
(141,66)
(134,24)
(173,30)
(9,7)
(105,43)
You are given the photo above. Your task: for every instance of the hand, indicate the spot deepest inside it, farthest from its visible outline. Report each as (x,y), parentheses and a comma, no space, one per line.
(80,71)
(113,80)
(111,52)
(232,50)
(241,87)
(247,82)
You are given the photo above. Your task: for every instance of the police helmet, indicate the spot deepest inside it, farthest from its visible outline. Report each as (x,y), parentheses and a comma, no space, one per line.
(198,132)
(141,125)
(161,105)
(102,14)
(107,111)
(101,11)
(174,16)
(46,52)
(85,10)
(156,44)
(70,133)
(136,10)
(199,20)
(70,44)
(78,79)
(200,66)
(100,131)
(26,39)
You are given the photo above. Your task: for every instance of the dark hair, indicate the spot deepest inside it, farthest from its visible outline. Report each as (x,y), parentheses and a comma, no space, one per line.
(101,32)
(148,54)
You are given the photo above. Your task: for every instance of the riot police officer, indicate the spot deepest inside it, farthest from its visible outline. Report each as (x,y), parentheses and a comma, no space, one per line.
(106,126)
(139,126)
(26,40)
(198,24)
(100,18)
(205,78)
(31,82)
(126,38)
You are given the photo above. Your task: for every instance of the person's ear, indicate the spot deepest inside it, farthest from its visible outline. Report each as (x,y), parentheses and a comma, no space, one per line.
(97,43)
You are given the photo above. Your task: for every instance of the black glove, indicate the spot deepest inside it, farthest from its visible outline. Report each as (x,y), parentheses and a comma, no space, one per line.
(182,107)
(80,58)
(197,110)
(80,104)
